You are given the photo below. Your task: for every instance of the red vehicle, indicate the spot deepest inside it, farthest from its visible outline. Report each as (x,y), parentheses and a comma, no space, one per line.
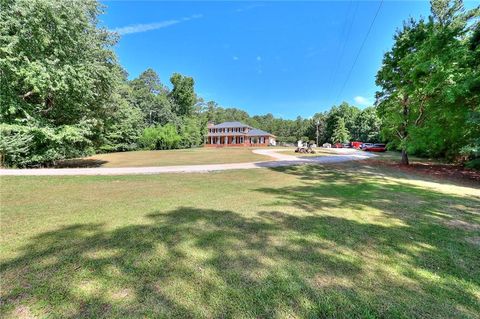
(356,145)
(375,148)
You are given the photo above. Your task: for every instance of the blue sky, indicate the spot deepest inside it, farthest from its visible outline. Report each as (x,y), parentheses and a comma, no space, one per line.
(284,58)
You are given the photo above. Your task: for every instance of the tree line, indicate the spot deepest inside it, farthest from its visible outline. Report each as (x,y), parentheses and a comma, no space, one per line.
(64,94)
(361,125)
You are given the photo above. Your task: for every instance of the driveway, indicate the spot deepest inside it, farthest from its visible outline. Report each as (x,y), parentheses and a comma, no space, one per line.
(279,159)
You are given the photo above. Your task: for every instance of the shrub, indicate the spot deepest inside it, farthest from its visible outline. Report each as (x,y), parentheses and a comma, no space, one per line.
(26,146)
(160,137)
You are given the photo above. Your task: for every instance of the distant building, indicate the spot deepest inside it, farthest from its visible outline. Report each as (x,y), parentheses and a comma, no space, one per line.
(237,134)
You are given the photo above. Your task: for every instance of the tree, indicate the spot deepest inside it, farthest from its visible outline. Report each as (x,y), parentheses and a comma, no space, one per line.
(430,83)
(317,125)
(125,123)
(396,103)
(151,97)
(349,114)
(57,74)
(367,125)
(183,94)
(56,63)
(192,132)
(340,133)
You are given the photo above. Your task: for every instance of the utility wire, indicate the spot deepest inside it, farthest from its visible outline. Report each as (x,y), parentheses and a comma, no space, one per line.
(340,48)
(343,46)
(360,50)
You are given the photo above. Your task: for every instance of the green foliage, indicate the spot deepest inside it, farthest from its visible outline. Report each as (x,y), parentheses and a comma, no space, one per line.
(474,164)
(150,96)
(55,62)
(57,74)
(192,132)
(183,94)
(340,133)
(345,111)
(14,145)
(24,146)
(125,124)
(430,83)
(367,126)
(160,137)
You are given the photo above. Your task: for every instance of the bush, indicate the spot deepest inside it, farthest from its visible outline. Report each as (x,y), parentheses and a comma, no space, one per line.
(160,138)
(473,164)
(27,146)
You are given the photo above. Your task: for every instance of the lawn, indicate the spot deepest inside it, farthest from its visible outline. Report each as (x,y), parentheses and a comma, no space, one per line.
(192,156)
(319,151)
(344,241)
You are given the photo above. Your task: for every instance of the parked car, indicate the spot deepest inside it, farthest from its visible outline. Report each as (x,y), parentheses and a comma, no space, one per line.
(376,148)
(365,145)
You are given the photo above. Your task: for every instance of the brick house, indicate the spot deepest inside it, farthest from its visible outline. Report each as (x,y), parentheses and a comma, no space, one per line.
(237,134)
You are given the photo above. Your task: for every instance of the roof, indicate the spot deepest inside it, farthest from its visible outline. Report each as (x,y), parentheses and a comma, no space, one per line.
(230,125)
(257,132)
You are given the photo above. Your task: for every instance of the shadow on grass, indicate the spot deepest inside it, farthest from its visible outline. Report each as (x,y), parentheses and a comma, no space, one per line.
(191,262)
(79,163)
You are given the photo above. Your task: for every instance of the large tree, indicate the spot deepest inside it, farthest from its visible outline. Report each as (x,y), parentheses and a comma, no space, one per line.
(56,73)
(151,96)
(429,83)
(56,64)
(340,132)
(183,94)
(397,105)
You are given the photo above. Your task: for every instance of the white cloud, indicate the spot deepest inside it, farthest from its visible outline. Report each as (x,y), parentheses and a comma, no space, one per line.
(361,100)
(137,28)
(250,7)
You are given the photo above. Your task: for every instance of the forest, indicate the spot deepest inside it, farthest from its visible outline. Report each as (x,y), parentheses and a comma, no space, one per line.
(65,95)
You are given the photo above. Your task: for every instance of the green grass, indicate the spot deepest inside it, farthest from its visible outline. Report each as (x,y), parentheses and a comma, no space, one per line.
(343,241)
(192,156)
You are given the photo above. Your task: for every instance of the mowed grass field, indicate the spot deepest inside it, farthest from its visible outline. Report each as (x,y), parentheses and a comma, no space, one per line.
(192,156)
(339,241)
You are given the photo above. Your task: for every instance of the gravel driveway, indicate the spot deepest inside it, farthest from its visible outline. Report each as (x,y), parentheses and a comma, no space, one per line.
(279,159)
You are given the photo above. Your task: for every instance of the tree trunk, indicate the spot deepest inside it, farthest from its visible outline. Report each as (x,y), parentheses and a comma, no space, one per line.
(405,157)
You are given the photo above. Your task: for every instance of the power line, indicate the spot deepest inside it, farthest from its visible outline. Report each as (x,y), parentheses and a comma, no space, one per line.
(340,48)
(360,50)
(342,51)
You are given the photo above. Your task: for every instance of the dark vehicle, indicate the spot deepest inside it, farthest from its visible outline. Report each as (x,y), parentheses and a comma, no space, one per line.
(376,148)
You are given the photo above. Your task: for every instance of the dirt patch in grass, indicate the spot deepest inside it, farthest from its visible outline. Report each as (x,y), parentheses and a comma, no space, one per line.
(474,240)
(23,312)
(460,224)
(438,171)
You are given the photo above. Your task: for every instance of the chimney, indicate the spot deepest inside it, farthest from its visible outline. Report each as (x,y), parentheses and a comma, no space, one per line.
(210,124)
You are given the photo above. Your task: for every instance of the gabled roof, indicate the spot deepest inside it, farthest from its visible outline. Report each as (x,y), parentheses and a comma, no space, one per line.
(230,125)
(257,132)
